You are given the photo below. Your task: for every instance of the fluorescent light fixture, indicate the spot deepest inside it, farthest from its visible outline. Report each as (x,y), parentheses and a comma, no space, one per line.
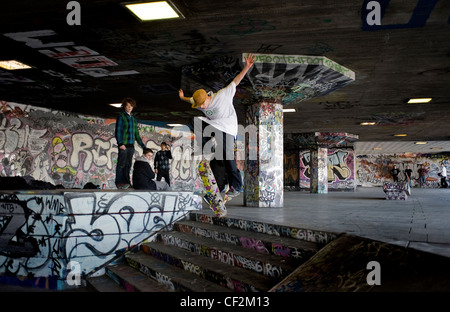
(421,143)
(148,11)
(13,65)
(377,148)
(422,100)
(175,125)
(118,105)
(400,135)
(368,123)
(436,148)
(289,110)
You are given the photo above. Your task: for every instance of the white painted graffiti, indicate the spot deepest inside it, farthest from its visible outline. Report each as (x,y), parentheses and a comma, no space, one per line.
(41,234)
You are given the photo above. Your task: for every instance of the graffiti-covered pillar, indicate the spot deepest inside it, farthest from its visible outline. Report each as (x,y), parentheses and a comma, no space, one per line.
(319,170)
(263,176)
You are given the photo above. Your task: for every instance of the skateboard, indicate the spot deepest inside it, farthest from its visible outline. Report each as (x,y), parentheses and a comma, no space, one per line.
(213,196)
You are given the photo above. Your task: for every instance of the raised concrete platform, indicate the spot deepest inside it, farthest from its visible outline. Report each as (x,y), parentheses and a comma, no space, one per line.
(421,222)
(396,190)
(48,238)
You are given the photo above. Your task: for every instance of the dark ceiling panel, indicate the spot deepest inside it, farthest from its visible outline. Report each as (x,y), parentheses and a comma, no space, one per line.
(111,55)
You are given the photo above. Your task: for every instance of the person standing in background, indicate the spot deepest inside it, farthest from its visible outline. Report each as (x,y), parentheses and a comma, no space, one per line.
(395,172)
(408,174)
(143,174)
(422,173)
(126,134)
(162,163)
(443,175)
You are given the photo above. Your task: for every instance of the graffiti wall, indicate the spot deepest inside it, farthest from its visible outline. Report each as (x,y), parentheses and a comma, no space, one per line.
(48,237)
(341,169)
(71,150)
(291,170)
(374,170)
(263,185)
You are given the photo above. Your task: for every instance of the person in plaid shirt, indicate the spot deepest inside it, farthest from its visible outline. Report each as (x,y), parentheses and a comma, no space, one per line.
(126,134)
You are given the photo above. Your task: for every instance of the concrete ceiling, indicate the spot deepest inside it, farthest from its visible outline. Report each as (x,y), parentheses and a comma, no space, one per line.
(406,55)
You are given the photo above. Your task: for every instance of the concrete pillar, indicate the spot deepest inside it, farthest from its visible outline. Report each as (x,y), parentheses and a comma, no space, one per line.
(263,176)
(319,170)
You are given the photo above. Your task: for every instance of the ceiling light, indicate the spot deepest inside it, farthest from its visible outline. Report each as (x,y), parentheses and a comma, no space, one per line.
(421,143)
(400,135)
(368,123)
(13,65)
(436,148)
(175,125)
(377,148)
(422,100)
(147,11)
(289,110)
(118,105)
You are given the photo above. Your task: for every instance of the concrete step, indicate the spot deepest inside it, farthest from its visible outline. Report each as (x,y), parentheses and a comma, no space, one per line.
(299,250)
(132,280)
(320,237)
(103,283)
(172,277)
(357,264)
(235,278)
(123,278)
(269,265)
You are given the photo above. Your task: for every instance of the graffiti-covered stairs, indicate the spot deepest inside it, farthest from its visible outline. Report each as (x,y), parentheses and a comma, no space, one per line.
(203,253)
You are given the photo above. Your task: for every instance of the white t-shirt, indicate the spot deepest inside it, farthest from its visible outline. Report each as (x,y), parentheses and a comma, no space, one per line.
(221,113)
(444,172)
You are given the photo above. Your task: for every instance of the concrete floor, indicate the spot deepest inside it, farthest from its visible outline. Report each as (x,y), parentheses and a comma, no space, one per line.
(421,222)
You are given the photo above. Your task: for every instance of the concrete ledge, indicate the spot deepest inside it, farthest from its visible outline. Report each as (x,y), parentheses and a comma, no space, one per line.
(396,190)
(42,231)
(355,264)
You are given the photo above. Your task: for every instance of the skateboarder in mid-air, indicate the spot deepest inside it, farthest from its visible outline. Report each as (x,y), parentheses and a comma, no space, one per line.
(221,116)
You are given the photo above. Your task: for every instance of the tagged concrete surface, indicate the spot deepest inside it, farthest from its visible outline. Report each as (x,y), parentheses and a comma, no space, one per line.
(354,264)
(421,222)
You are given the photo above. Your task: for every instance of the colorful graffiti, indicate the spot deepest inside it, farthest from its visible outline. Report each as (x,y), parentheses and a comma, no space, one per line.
(263,185)
(291,170)
(375,170)
(396,190)
(287,79)
(340,169)
(43,231)
(72,150)
(272,229)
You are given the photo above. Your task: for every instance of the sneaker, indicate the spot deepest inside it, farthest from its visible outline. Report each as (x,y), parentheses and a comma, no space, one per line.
(232,192)
(222,214)
(225,189)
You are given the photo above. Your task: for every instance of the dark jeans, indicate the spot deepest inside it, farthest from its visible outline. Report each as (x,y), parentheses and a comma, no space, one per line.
(163,174)
(124,161)
(444,183)
(223,151)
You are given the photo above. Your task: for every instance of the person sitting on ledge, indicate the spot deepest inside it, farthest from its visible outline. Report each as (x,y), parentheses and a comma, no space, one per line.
(143,174)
